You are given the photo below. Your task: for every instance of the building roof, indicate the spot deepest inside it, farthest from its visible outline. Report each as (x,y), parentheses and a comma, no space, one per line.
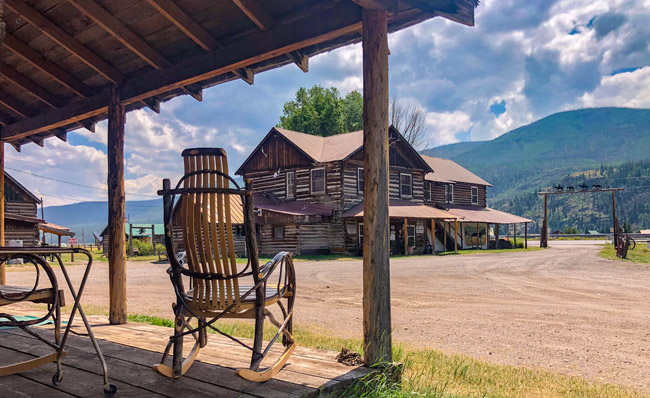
(485,215)
(269,202)
(645,231)
(59,230)
(448,171)
(406,209)
(329,149)
(65,56)
(27,219)
(20,186)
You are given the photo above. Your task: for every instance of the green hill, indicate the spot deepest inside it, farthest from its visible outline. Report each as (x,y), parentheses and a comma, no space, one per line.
(551,149)
(452,150)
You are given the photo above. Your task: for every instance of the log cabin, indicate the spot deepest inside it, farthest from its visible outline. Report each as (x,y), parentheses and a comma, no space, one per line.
(21,209)
(308,196)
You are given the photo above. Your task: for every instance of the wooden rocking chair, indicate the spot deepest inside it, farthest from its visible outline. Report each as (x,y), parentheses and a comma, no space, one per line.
(217,289)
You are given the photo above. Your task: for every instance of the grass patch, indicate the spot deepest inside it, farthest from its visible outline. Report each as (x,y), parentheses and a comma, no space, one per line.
(640,254)
(431,373)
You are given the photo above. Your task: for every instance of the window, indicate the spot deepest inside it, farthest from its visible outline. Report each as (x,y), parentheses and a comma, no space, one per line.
(474,195)
(427,191)
(360,181)
(291,184)
(278,231)
(406,185)
(360,235)
(449,193)
(317,180)
(410,233)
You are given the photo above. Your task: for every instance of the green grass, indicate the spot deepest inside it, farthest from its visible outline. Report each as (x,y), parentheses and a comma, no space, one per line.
(431,373)
(641,254)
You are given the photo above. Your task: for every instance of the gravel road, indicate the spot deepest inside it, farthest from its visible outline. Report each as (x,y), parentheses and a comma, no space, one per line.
(563,309)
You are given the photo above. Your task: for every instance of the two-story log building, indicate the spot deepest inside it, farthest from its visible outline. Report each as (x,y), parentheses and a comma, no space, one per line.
(308,194)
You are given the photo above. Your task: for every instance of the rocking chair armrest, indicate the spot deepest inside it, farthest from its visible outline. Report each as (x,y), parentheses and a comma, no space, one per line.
(268,268)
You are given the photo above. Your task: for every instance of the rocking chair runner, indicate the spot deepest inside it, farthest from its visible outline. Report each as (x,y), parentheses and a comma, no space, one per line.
(217,289)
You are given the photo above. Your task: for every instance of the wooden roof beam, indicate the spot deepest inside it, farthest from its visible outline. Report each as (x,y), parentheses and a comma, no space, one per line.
(31,56)
(33,88)
(64,40)
(15,106)
(260,17)
(259,46)
(375,5)
(16,145)
(194,31)
(38,140)
(122,33)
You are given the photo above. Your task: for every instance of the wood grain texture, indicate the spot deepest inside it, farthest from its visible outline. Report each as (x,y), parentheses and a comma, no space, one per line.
(3,277)
(376,266)
(116,211)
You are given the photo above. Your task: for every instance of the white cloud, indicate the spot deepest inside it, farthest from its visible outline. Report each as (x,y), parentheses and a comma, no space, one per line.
(444,126)
(624,89)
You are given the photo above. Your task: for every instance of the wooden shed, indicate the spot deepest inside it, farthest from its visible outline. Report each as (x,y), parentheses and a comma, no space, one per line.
(21,209)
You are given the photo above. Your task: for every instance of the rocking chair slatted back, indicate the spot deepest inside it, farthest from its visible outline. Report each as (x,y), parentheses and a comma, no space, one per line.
(207,229)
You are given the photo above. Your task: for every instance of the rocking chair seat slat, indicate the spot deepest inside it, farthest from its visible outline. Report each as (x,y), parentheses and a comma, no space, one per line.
(273,294)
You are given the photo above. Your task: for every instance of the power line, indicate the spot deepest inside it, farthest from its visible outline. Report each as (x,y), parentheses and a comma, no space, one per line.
(57,167)
(74,183)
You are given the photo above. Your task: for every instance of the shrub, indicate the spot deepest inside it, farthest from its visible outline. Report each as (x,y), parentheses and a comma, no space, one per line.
(520,245)
(143,248)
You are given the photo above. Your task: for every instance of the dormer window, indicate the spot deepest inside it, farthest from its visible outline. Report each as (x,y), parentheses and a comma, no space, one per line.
(317,180)
(360,181)
(406,185)
(449,193)
(474,195)
(291,184)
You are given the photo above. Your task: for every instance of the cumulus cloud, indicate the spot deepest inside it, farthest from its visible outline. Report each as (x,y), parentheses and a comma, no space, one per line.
(624,89)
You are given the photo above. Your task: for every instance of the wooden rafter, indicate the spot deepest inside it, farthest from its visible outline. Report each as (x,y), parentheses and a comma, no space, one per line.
(31,56)
(15,106)
(39,92)
(374,5)
(194,31)
(260,17)
(252,48)
(64,40)
(122,33)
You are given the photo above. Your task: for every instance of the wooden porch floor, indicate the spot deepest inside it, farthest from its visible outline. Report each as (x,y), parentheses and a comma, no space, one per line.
(131,349)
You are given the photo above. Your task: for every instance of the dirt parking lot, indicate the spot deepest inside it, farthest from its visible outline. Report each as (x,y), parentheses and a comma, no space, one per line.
(563,309)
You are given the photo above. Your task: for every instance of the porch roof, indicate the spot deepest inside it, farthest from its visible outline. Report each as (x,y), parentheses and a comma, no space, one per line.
(486,215)
(61,58)
(269,202)
(55,229)
(406,209)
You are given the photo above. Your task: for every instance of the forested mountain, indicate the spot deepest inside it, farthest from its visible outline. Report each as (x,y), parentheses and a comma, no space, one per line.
(558,149)
(591,211)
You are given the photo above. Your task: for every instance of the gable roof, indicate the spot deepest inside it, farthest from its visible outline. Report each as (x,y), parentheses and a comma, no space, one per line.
(21,187)
(329,149)
(448,171)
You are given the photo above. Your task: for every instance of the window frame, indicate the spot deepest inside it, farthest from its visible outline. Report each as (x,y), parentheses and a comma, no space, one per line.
(401,193)
(449,192)
(472,195)
(274,235)
(427,191)
(286,185)
(360,181)
(311,180)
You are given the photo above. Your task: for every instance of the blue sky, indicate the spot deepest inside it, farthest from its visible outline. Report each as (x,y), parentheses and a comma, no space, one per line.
(522,61)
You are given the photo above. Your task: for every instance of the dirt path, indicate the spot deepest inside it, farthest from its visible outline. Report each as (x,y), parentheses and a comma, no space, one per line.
(563,309)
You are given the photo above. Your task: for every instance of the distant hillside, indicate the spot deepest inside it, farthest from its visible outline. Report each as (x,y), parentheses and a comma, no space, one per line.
(452,150)
(549,150)
(90,217)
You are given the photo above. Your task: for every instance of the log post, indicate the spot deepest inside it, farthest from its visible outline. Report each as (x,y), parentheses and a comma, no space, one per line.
(444,230)
(3,276)
(433,236)
(515,236)
(153,238)
(376,263)
(456,235)
(543,238)
(116,201)
(496,236)
(526,236)
(615,220)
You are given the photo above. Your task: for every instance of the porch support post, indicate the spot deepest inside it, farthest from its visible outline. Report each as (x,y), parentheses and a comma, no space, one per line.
(543,238)
(526,236)
(3,277)
(117,252)
(406,236)
(433,236)
(456,235)
(376,267)
(496,236)
(515,229)
(444,229)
